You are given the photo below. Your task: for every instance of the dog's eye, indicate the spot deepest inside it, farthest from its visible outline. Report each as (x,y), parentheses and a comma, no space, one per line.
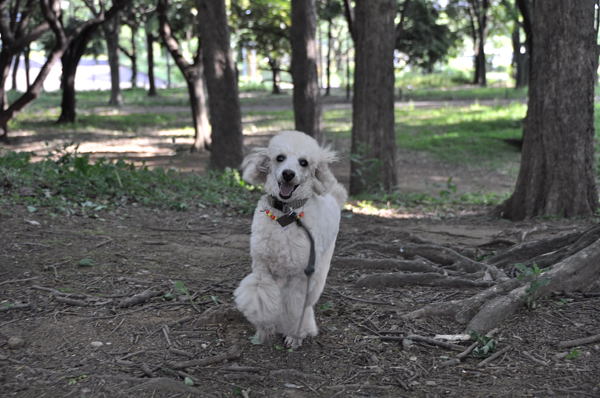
(303,162)
(280,158)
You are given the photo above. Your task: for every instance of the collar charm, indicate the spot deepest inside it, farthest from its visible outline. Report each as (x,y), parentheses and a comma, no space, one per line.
(286,219)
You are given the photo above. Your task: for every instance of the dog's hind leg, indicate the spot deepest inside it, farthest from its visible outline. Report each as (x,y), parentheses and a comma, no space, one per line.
(258,298)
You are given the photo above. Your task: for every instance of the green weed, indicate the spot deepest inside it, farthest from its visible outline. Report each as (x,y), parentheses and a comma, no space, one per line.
(72,183)
(532,274)
(486,345)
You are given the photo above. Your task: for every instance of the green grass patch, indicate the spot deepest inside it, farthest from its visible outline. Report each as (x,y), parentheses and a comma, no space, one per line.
(71,183)
(473,135)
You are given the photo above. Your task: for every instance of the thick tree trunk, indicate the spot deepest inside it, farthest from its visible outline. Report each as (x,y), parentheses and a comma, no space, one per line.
(70,61)
(307,111)
(373,158)
(557,169)
(111,35)
(219,70)
(519,62)
(150,50)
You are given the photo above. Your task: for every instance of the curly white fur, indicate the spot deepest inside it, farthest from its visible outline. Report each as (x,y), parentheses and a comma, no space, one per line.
(272,297)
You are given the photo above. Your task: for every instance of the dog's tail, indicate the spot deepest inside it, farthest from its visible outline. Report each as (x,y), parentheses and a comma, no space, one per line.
(339,193)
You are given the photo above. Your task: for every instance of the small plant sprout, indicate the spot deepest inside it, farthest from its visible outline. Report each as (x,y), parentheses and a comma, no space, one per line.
(532,274)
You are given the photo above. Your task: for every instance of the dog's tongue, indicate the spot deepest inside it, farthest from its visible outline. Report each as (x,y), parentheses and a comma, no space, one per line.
(285,190)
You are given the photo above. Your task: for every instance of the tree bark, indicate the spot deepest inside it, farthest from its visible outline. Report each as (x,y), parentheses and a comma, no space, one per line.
(557,168)
(373,153)
(221,82)
(194,77)
(275,72)
(71,57)
(328,56)
(111,35)
(150,50)
(307,111)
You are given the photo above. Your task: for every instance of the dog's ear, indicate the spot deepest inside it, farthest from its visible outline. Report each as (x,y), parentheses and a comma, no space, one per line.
(255,166)
(324,178)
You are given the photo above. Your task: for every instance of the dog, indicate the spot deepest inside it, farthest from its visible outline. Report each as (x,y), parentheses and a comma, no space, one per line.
(295,223)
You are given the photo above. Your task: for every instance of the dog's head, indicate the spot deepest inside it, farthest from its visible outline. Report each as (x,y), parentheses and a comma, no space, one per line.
(292,167)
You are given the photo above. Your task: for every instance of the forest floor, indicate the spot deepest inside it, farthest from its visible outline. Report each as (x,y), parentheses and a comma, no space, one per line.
(114,305)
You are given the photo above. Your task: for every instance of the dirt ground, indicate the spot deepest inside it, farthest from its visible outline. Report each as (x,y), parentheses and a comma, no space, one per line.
(71,324)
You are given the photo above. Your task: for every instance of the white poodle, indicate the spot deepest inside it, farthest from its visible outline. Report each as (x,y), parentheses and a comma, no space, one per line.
(294,228)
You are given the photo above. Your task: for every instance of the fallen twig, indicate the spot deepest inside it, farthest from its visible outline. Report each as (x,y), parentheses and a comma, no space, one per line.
(9,307)
(18,280)
(71,301)
(582,341)
(139,298)
(165,330)
(494,356)
(423,339)
(233,353)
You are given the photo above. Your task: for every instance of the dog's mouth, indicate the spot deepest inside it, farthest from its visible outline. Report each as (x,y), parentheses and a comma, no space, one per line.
(286,190)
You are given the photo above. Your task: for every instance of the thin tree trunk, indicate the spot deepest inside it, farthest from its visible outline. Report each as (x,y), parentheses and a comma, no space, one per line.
(307,109)
(328,59)
(26,55)
(15,70)
(275,76)
(5,62)
(373,152)
(134,68)
(111,35)
(557,169)
(70,61)
(150,50)
(219,69)
(197,92)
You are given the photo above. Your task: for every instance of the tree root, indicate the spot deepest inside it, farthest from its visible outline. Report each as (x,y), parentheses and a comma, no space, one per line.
(139,298)
(417,265)
(451,259)
(397,279)
(490,307)
(233,353)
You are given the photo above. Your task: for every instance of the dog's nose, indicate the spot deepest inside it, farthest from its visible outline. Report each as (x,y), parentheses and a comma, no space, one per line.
(288,175)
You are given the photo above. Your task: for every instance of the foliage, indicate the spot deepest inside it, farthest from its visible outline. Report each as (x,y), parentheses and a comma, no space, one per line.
(422,37)
(263,25)
(533,275)
(72,183)
(486,345)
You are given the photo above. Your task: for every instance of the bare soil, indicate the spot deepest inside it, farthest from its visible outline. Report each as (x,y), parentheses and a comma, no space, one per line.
(68,326)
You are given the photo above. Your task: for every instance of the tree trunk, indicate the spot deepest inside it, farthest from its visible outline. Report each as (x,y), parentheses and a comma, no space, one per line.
(328,57)
(274,65)
(111,35)
(150,50)
(307,112)
(219,70)
(26,54)
(70,62)
(5,62)
(373,157)
(197,92)
(15,70)
(134,69)
(557,168)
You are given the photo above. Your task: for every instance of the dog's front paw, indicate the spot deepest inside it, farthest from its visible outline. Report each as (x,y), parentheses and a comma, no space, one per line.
(292,342)
(261,336)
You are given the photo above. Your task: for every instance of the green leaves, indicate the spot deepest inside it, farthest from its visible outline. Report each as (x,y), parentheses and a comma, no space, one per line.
(487,345)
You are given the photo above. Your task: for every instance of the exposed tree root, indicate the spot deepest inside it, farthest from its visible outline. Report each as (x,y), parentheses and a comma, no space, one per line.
(452,259)
(397,279)
(417,265)
(490,307)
